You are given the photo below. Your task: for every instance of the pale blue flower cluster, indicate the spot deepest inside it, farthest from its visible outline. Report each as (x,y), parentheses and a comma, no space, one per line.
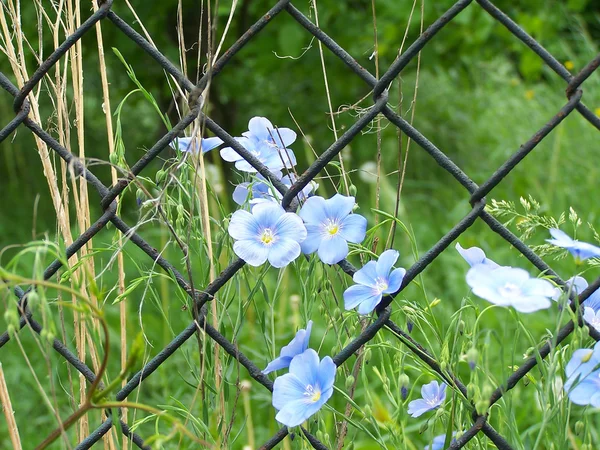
(307,386)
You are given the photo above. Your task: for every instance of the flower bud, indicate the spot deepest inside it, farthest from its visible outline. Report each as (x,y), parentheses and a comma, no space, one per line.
(439,413)
(409,325)
(472,357)
(367,355)
(114,159)
(161,176)
(481,406)
(349,382)
(473,391)
(461,326)
(245,385)
(423,427)
(367,411)
(320,436)
(403,382)
(12,317)
(352,189)
(33,301)
(579,427)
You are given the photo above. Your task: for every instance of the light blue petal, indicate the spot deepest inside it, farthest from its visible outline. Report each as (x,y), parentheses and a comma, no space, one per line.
(277,364)
(538,286)
(583,391)
(430,391)
(287,388)
(314,211)
(243,225)
(367,275)
(259,127)
(268,214)
(339,206)
(244,166)
(305,367)
(593,301)
(595,399)
(290,226)
(182,143)
(229,154)
(353,228)
(251,251)
(583,250)
(307,335)
(283,252)
(313,239)
(208,144)
(395,280)
(582,363)
(561,238)
(332,250)
(483,285)
(287,156)
(293,414)
(589,315)
(284,137)
(531,304)
(369,304)
(474,256)
(357,294)
(385,263)
(241,194)
(299,344)
(418,407)
(326,378)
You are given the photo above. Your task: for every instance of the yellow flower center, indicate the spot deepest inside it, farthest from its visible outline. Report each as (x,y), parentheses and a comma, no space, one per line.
(313,394)
(381,284)
(267,236)
(332,227)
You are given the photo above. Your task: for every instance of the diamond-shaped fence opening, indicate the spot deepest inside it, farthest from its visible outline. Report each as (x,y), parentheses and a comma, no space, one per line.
(203,294)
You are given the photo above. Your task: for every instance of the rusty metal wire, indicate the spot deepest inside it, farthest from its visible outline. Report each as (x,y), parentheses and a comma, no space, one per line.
(476,197)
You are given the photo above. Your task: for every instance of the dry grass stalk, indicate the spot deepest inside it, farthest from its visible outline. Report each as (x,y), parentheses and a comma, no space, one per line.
(9,414)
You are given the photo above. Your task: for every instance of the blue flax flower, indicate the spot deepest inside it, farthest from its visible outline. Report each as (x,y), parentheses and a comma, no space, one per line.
(433,395)
(190,144)
(299,394)
(475,256)
(372,281)
(267,233)
(298,345)
(510,286)
(262,131)
(438,442)
(270,157)
(580,250)
(331,226)
(583,377)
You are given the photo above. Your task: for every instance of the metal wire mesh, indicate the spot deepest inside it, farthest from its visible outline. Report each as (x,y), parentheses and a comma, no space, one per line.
(476,197)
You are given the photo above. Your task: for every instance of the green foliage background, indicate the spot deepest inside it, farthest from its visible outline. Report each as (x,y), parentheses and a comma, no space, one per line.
(481,94)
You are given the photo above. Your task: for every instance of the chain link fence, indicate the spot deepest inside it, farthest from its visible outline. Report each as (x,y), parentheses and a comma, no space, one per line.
(475,195)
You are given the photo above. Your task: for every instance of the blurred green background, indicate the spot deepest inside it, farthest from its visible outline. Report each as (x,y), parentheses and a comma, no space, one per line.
(481,94)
